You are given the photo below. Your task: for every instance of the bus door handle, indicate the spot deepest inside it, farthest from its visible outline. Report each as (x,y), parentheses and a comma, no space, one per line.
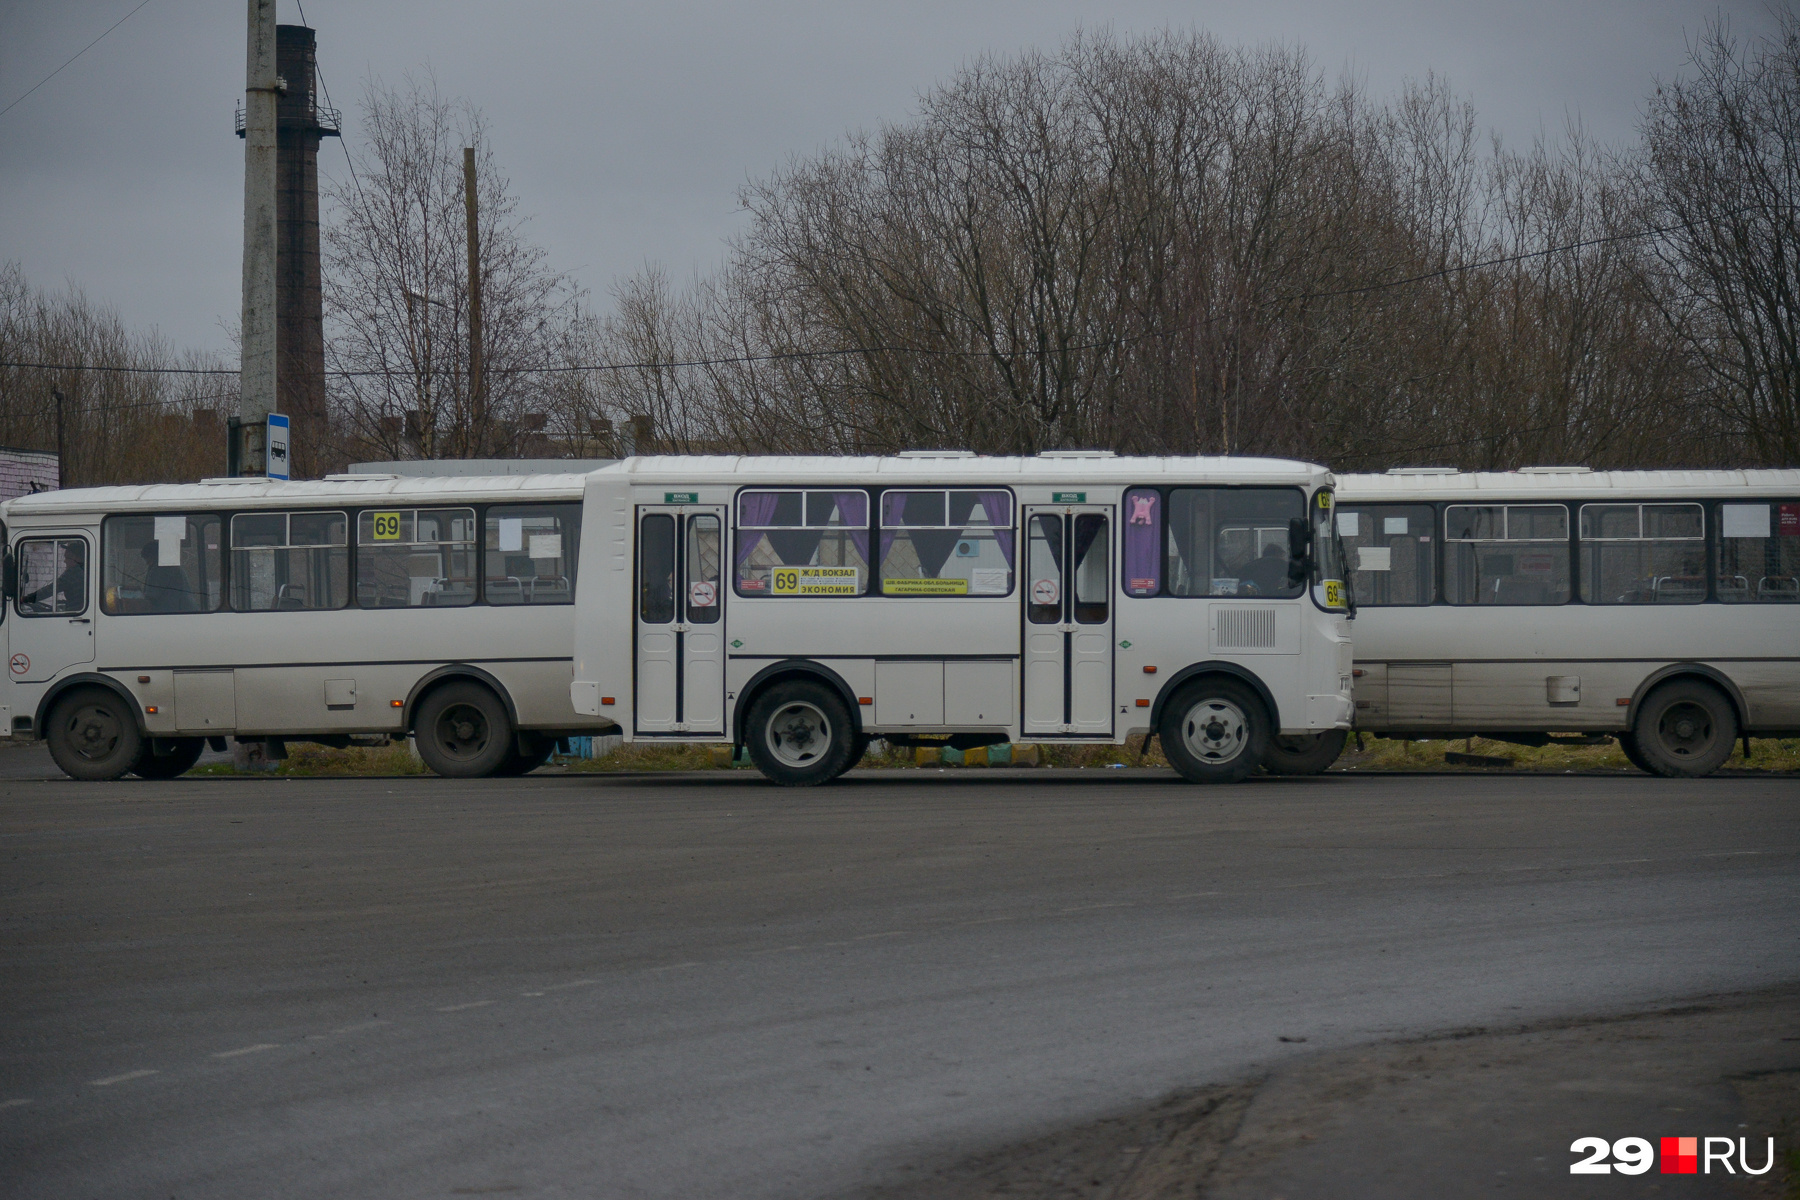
(80,620)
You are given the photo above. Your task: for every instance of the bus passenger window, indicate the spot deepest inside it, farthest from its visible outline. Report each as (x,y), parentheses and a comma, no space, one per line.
(656,569)
(1506,554)
(161,563)
(1091,575)
(1143,542)
(415,558)
(703,569)
(1759,552)
(941,543)
(289,561)
(1390,552)
(52,577)
(825,533)
(1642,554)
(530,553)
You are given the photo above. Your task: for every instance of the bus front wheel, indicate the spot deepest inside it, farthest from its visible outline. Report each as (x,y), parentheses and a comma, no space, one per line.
(93,735)
(800,734)
(463,732)
(1305,753)
(1684,728)
(1214,731)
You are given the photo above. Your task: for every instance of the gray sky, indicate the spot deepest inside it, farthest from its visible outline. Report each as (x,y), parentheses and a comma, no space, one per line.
(627,128)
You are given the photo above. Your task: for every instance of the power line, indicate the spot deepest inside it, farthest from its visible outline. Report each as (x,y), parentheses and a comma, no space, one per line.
(52,75)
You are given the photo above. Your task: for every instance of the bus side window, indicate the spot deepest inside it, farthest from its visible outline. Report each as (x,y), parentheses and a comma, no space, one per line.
(1090,576)
(1390,552)
(162,563)
(1759,552)
(656,569)
(1642,554)
(289,561)
(530,553)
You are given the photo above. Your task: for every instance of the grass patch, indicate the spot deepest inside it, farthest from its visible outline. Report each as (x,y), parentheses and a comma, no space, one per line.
(1402,754)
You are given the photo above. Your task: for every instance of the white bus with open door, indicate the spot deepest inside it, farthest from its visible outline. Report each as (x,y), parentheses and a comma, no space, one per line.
(801,606)
(142,621)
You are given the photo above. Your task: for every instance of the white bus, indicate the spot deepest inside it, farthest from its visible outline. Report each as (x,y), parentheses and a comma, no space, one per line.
(141,622)
(801,606)
(1659,607)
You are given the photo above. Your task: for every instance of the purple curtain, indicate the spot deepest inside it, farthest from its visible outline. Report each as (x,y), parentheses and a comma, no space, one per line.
(853,510)
(754,509)
(893,509)
(1143,542)
(998,507)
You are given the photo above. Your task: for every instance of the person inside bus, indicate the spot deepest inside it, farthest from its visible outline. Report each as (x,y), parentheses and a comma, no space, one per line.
(1268,575)
(69,592)
(166,589)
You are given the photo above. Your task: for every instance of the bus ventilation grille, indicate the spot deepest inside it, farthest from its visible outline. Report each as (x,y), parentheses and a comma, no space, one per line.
(1246,629)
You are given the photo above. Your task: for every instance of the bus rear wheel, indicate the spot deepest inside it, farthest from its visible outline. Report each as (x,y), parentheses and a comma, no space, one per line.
(463,732)
(93,735)
(1305,753)
(171,765)
(800,734)
(1214,731)
(1684,729)
(519,763)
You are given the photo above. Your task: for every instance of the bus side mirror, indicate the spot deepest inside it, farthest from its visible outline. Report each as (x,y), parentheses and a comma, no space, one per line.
(1299,551)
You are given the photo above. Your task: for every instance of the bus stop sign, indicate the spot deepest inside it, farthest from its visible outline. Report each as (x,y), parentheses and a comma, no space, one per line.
(277,447)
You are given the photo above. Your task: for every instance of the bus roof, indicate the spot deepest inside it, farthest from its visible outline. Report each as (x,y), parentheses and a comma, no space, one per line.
(947,469)
(268,493)
(1557,482)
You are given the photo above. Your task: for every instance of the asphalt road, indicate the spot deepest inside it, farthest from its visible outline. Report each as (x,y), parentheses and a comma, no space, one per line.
(703,986)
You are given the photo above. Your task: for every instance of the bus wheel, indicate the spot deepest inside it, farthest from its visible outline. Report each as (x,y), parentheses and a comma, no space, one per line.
(524,764)
(800,734)
(1685,728)
(1305,753)
(93,735)
(1633,755)
(169,766)
(462,732)
(1214,731)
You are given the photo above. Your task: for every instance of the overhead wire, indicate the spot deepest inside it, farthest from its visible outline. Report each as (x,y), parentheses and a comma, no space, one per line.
(52,75)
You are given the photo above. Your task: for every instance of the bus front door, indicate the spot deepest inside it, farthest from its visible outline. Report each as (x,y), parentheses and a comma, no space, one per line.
(680,621)
(52,619)
(1068,684)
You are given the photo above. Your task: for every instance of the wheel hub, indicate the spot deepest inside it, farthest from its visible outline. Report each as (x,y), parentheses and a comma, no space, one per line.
(799,734)
(1215,731)
(1686,730)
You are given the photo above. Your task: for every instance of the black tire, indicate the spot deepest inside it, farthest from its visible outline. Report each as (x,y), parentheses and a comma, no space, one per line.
(463,732)
(1684,728)
(169,766)
(1629,745)
(800,734)
(93,734)
(1305,753)
(525,764)
(1214,730)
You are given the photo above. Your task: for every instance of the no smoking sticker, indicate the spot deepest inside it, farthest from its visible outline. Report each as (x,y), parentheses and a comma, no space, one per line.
(702,594)
(1044,591)
(20,664)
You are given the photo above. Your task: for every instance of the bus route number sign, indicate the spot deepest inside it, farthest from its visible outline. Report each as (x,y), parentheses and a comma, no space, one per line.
(387,527)
(815,581)
(1334,593)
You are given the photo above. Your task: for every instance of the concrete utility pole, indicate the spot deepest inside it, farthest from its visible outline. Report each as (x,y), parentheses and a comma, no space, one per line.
(477,377)
(257,362)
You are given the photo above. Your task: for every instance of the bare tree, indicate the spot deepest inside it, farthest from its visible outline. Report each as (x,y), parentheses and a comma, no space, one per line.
(1721,165)
(397,290)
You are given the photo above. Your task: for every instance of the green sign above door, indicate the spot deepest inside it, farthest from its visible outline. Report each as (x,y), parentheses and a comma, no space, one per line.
(681,497)
(1068,497)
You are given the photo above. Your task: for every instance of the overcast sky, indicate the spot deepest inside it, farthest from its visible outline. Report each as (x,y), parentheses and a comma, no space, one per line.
(627,128)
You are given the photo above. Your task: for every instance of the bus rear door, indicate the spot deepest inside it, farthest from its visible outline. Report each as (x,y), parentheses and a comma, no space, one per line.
(1068,684)
(680,620)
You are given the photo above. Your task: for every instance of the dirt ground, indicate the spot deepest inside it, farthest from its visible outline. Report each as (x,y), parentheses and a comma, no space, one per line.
(1489,1112)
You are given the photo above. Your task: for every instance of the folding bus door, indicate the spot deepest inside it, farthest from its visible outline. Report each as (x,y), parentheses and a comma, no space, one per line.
(1068,597)
(680,620)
